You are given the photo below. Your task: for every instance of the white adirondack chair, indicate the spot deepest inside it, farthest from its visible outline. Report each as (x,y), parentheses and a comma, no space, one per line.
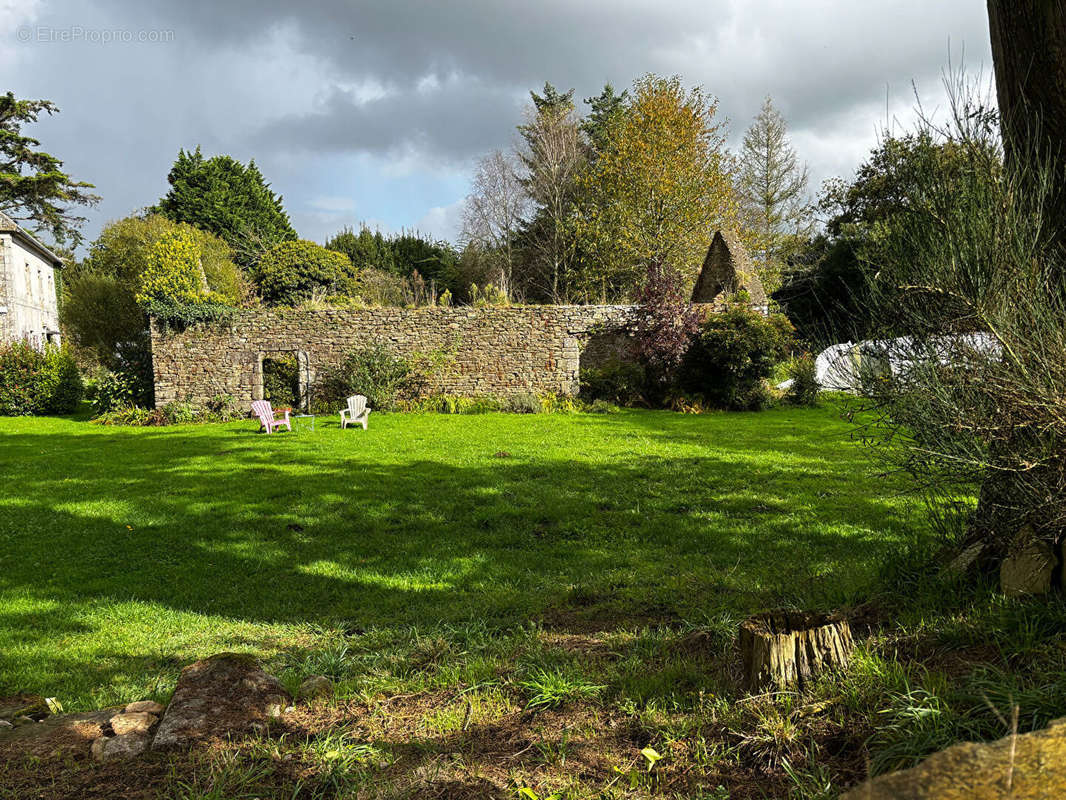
(356,412)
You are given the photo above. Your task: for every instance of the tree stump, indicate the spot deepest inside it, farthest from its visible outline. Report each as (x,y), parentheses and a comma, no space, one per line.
(787,649)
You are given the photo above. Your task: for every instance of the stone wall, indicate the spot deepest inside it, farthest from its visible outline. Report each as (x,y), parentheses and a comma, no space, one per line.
(497,351)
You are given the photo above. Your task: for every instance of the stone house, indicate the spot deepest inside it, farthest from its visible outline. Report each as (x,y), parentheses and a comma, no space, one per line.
(29,272)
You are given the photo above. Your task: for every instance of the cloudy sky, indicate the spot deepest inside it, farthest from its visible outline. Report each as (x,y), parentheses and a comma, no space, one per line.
(362,111)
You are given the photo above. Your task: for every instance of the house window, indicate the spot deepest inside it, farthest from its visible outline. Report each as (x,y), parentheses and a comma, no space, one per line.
(40,283)
(29,286)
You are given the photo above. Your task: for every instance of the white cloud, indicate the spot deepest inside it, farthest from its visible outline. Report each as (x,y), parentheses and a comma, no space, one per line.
(442,222)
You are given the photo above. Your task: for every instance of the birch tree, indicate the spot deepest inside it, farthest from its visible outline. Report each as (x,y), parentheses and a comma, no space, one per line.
(495,210)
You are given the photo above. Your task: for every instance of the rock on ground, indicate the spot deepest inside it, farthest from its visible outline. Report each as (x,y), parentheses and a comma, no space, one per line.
(121,747)
(1027,570)
(61,735)
(145,706)
(1030,766)
(133,722)
(315,686)
(226,693)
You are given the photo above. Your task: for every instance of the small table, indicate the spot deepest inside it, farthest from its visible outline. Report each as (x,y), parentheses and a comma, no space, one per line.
(304,417)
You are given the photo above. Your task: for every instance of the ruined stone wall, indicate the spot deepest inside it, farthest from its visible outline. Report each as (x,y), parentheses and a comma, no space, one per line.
(498,351)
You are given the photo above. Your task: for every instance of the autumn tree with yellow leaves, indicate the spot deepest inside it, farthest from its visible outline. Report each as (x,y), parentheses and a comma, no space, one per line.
(656,192)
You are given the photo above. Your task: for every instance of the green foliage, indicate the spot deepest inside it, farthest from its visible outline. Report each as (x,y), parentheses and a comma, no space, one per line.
(402,269)
(100,316)
(733,355)
(619,382)
(604,111)
(973,273)
(366,249)
(385,379)
(100,312)
(125,410)
(656,192)
(224,197)
(487,295)
(773,191)
(125,247)
(33,187)
(804,377)
(435,261)
(292,272)
(826,294)
(523,403)
(169,314)
(38,381)
(117,390)
(603,407)
(281,381)
(172,271)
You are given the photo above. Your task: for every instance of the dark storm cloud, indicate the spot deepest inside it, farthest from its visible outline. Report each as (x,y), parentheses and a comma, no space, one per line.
(818,59)
(430,84)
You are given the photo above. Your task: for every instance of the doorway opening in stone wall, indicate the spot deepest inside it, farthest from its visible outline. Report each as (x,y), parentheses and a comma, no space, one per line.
(283,379)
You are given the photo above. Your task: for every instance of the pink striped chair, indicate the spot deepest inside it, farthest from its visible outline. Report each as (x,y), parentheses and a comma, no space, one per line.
(267,421)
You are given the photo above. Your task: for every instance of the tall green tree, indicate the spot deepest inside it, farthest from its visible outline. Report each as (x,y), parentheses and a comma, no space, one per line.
(553,155)
(229,199)
(552,101)
(604,109)
(827,289)
(656,193)
(367,249)
(34,189)
(773,192)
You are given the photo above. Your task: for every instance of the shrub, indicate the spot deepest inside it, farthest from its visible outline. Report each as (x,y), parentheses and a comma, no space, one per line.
(617,382)
(733,355)
(172,270)
(178,413)
(523,403)
(129,384)
(132,416)
(552,403)
(374,371)
(804,377)
(223,408)
(665,326)
(113,391)
(603,407)
(487,295)
(38,381)
(293,271)
(170,314)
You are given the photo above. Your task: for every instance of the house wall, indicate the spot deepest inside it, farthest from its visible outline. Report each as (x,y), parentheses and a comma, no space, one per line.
(28,294)
(5,282)
(497,351)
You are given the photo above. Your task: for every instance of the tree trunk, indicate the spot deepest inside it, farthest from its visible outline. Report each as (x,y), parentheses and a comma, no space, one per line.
(1029,56)
(787,649)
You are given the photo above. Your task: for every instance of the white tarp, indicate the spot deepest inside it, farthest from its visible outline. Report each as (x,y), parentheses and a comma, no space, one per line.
(840,366)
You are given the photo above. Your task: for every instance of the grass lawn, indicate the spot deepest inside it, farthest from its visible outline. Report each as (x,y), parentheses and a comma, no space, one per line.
(128,552)
(503,602)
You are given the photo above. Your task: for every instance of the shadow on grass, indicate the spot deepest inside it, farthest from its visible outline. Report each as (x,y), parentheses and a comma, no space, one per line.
(223,523)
